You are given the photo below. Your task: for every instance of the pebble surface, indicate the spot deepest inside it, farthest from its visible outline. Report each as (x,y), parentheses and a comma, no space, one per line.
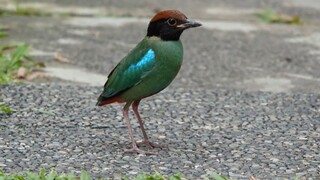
(267,135)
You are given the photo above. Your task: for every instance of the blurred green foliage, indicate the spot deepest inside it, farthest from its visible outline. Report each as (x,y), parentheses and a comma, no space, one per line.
(270,16)
(53,175)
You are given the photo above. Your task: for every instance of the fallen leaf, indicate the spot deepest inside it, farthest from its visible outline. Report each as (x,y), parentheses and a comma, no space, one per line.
(58,57)
(270,16)
(36,75)
(22,72)
(284,18)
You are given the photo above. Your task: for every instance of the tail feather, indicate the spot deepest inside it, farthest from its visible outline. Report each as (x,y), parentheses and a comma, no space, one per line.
(104,101)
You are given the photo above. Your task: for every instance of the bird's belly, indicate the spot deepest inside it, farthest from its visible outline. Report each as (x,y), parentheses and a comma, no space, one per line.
(154,83)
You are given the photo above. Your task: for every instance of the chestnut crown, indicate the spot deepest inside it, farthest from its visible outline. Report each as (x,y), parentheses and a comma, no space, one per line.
(168,25)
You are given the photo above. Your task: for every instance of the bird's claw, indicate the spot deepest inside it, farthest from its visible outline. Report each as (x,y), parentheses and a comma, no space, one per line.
(139,151)
(150,144)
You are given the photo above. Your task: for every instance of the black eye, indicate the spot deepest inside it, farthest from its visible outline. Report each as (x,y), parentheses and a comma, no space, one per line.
(172,22)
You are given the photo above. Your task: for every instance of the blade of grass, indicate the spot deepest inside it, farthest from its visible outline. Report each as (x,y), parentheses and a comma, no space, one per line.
(216,176)
(84,175)
(12,58)
(19,53)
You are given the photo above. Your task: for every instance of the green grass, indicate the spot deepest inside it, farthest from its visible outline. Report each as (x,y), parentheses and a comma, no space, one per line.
(43,175)
(53,175)
(12,58)
(31,11)
(270,16)
(216,176)
(22,11)
(3,34)
(4,108)
(155,176)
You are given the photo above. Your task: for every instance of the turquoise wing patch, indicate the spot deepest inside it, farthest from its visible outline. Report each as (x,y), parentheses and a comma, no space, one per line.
(146,61)
(129,74)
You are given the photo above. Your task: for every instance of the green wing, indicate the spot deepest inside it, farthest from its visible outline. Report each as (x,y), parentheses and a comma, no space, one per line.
(130,71)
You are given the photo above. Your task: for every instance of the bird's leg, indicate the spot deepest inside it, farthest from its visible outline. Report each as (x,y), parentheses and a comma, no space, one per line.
(134,148)
(145,136)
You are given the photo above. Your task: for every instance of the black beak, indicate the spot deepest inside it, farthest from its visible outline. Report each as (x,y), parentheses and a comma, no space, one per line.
(189,24)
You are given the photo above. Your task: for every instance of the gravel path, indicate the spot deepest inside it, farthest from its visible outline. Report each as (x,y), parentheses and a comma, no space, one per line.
(236,133)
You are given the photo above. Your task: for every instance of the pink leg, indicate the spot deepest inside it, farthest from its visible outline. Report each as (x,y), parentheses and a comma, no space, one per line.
(145,136)
(134,148)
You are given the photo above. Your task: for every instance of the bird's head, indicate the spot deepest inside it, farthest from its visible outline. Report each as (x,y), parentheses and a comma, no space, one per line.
(168,25)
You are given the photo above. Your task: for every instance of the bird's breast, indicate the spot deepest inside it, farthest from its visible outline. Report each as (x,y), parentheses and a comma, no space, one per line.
(169,55)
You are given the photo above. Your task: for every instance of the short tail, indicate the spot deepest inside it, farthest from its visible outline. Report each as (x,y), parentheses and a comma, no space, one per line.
(104,101)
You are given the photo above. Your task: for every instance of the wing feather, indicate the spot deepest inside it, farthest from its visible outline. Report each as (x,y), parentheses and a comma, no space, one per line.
(130,71)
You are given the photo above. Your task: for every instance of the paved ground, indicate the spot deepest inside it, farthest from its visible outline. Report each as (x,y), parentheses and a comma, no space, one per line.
(214,116)
(237,133)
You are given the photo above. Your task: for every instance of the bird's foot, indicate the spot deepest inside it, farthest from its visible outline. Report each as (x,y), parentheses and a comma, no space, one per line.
(150,144)
(139,151)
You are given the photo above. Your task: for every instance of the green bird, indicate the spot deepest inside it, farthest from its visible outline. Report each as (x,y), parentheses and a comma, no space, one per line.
(147,69)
